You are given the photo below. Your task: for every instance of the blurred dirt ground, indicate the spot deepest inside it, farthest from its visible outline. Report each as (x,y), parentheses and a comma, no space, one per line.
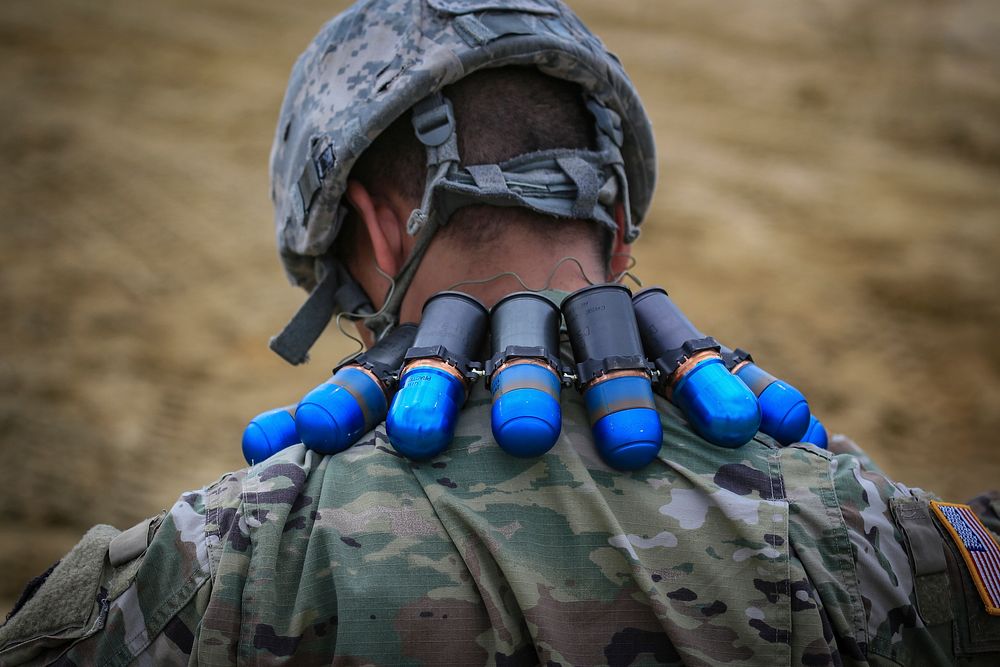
(829,199)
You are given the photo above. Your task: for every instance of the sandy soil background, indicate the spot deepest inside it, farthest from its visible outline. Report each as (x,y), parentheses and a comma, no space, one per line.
(829,199)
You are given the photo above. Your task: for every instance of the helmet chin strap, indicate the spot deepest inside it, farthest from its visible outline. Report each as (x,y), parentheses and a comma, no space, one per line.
(336,291)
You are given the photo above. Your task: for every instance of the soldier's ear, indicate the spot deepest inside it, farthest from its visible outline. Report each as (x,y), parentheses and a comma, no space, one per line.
(621,252)
(381,220)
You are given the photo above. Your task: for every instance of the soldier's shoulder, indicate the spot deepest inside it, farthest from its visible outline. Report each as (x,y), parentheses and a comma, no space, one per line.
(113,595)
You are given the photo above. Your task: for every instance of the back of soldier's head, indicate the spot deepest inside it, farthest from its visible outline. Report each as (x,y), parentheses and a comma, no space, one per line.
(500,114)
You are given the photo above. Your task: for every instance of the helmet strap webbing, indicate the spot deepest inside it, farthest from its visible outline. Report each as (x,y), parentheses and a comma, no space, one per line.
(434,124)
(335,291)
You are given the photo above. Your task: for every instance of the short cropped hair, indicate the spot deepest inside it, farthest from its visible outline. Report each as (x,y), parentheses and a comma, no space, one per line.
(500,114)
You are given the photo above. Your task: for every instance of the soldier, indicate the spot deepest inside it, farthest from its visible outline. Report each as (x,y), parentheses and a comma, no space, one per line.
(442,141)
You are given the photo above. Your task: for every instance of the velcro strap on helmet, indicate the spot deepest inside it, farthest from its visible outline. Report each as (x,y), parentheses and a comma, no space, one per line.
(564,183)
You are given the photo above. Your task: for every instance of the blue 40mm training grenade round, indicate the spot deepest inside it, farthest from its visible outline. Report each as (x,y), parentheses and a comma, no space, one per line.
(523,374)
(816,434)
(718,406)
(268,433)
(334,415)
(613,375)
(784,410)
(437,375)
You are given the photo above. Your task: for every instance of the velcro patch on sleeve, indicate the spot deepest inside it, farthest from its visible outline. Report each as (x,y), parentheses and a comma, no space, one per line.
(979,549)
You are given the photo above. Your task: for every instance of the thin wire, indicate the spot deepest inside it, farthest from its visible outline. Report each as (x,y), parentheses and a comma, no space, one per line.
(555,270)
(631,275)
(517,277)
(627,271)
(358,315)
(483,281)
(361,344)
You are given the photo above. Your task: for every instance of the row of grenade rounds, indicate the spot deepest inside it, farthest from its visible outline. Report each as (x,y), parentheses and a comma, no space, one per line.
(625,348)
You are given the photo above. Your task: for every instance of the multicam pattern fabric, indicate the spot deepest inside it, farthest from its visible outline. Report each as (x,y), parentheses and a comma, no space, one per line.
(710,556)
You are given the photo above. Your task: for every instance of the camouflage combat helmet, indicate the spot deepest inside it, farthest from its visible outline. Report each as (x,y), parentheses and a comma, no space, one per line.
(382,58)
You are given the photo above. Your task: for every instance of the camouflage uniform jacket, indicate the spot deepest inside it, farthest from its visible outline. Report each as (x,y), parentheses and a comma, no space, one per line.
(755,556)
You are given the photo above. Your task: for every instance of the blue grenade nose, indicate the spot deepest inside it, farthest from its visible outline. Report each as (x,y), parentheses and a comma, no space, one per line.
(526,417)
(692,375)
(612,372)
(268,433)
(723,411)
(422,420)
(816,434)
(784,410)
(334,415)
(437,375)
(623,418)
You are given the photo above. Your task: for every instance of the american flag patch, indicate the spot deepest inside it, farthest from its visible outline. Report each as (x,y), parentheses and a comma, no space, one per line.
(978,547)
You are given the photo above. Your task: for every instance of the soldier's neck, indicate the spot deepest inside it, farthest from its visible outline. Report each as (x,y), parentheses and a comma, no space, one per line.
(489,278)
